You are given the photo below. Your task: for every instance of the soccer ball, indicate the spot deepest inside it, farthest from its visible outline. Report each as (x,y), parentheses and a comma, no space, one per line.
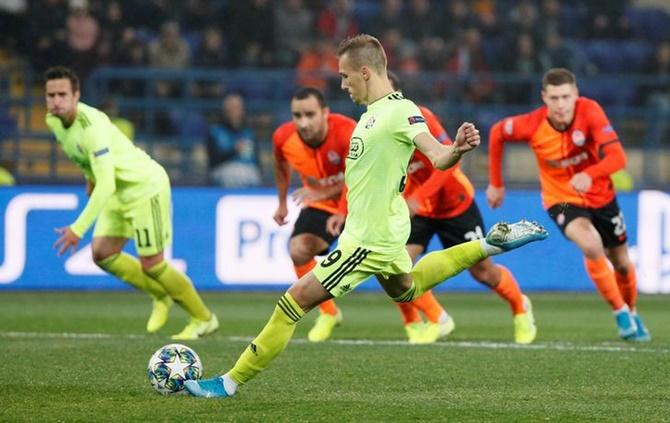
(171,365)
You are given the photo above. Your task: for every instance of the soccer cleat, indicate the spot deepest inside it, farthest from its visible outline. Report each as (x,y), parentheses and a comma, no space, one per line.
(207,388)
(642,334)
(525,330)
(197,328)
(414,331)
(434,331)
(324,325)
(625,323)
(159,314)
(509,236)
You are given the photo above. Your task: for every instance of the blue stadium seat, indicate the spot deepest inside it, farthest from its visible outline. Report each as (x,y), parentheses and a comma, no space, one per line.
(191,127)
(606,56)
(652,24)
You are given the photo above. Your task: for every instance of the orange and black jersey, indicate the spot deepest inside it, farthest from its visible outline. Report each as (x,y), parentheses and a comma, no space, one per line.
(321,166)
(440,193)
(588,145)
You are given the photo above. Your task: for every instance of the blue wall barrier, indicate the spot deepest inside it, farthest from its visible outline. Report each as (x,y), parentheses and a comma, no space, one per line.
(226,239)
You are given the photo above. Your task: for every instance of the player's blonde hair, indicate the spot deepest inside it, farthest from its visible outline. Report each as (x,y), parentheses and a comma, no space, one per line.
(558,76)
(364,49)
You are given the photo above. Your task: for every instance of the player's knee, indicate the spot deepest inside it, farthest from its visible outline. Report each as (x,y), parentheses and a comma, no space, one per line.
(100,255)
(300,254)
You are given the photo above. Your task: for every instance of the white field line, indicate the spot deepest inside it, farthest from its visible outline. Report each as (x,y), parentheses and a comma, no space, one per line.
(543,346)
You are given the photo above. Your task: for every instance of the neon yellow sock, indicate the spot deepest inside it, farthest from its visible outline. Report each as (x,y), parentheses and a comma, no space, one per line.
(438,266)
(128,269)
(180,288)
(272,340)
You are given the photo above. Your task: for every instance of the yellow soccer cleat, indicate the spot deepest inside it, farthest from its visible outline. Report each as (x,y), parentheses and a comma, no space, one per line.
(198,328)
(159,314)
(414,332)
(324,325)
(525,330)
(434,331)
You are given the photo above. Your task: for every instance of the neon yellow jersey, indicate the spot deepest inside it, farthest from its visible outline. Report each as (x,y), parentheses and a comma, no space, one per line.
(376,172)
(108,159)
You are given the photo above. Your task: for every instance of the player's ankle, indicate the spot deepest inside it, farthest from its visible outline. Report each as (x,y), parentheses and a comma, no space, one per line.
(229,384)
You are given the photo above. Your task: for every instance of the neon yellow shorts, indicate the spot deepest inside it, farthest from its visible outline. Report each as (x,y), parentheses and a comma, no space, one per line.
(147,221)
(345,268)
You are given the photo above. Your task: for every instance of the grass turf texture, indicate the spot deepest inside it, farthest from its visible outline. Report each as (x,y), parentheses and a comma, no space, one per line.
(83,356)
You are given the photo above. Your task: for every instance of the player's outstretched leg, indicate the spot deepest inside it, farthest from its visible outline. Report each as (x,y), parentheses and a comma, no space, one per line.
(272,340)
(438,266)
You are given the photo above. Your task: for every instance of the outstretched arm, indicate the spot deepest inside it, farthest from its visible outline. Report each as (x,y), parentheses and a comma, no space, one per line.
(444,156)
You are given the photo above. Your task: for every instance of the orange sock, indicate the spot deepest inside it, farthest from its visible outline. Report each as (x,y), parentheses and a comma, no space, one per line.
(509,290)
(429,306)
(603,277)
(303,269)
(628,286)
(326,307)
(409,312)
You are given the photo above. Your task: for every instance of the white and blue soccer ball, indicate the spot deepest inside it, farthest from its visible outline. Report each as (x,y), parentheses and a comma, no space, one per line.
(172,365)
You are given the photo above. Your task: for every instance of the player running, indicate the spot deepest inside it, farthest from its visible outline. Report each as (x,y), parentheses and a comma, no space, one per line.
(577,150)
(129,198)
(314,144)
(378,223)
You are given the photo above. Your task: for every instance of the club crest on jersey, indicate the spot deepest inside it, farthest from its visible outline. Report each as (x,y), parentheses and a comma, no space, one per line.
(356,148)
(415,119)
(578,138)
(509,126)
(333,157)
(370,122)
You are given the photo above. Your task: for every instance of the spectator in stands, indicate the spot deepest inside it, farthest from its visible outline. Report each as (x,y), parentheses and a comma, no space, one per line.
(469,64)
(169,50)
(420,21)
(197,14)
(232,148)
(390,17)
(45,34)
(522,60)
(214,51)
(82,35)
(558,54)
(318,67)
(524,18)
(294,25)
(252,32)
(337,22)
(459,17)
(608,19)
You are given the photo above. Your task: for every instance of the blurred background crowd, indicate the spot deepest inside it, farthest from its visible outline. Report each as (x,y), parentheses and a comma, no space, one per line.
(203,82)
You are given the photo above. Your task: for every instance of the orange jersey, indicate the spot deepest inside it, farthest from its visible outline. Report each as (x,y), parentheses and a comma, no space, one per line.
(322,166)
(440,193)
(588,145)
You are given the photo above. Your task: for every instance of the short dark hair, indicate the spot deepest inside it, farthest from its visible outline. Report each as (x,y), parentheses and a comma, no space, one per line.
(558,76)
(395,80)
(61,72)
(306,92)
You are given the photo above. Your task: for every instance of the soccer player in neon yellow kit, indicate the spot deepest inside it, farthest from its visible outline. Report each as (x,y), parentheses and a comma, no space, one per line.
(378,223)
(129,197)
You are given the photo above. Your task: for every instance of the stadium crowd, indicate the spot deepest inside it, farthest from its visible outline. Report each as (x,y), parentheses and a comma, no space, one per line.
(456,38)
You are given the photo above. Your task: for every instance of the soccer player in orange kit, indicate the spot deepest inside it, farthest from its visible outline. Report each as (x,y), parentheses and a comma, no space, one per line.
(442,204)
(577,150)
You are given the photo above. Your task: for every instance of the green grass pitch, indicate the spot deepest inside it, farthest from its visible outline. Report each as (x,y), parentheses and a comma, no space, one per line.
(81,357)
